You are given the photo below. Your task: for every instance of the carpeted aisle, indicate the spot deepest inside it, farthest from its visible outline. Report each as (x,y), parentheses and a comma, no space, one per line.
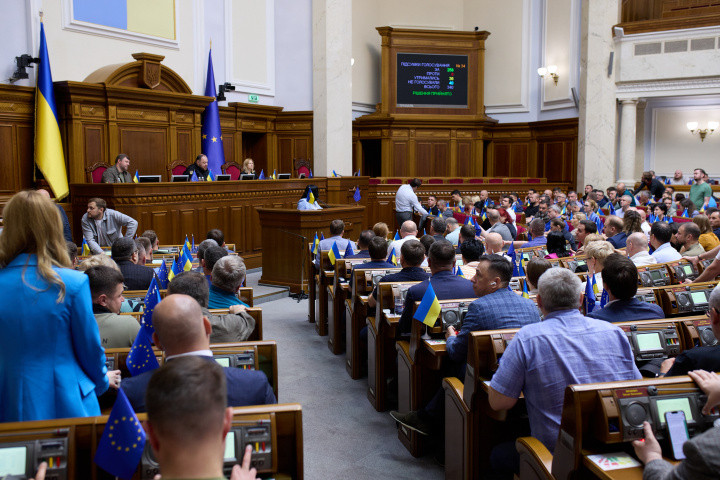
(344,437)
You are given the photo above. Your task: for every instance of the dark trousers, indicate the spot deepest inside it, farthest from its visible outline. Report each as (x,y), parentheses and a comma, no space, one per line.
(402,217)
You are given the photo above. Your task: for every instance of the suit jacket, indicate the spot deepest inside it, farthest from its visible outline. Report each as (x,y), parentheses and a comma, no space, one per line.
(66,224)
(446,286)
(408,274)
(111,175)
(137,277)
(698,358)
(501,309)
(51,362)
(244,387)
(702,460)
(618,240)
(627,311)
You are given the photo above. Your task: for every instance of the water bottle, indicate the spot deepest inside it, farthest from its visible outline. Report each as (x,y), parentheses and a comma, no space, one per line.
(399,305)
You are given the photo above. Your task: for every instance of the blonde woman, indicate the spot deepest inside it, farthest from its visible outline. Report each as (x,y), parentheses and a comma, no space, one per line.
(51,362)
(248,167)
(596,252)
(707,238)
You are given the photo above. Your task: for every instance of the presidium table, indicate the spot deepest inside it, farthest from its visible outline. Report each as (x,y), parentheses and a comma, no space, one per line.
(286,234)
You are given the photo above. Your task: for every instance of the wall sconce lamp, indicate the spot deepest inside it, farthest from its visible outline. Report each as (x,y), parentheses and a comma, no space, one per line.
(702,132)
(549,71)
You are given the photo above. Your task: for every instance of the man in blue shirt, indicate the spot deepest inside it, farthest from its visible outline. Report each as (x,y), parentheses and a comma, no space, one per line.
(536,230)
(337,228)
(566,348)
(620,279)
(228,275)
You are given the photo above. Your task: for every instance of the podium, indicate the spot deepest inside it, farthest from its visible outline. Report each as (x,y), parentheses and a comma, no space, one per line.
(286,234)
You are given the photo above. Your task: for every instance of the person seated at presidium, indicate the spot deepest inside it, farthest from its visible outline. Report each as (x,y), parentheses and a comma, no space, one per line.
(50,331)
(101,226)
(119,172)
(620,279)
(566,348)
(441,260)
(125,253)
(248,167)
(228,275)
(181,330)
(199,168)
(304,203)
(235,326)
(106,288)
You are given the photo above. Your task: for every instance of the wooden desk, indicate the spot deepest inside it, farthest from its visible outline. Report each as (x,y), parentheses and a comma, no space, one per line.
(286,233)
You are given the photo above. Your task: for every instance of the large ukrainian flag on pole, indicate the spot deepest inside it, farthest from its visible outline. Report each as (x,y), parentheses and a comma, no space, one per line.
(48,145)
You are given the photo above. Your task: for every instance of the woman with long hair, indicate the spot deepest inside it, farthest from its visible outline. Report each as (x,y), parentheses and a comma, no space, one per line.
(707,239)
(51,362)
(248,167)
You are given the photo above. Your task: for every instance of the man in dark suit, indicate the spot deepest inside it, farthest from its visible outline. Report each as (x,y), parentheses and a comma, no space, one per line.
(699,358)
(125,253)
(437,228)
(378,253)
(620,279)
(441,260)
(182,330)
(363,244)
(654,186)
(411,257)
(614,231)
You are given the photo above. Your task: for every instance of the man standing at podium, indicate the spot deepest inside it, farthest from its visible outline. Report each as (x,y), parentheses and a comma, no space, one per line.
(406,202)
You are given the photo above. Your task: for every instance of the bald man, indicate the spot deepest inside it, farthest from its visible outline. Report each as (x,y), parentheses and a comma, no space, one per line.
(63,216)
(182,330)
(637,248)
(408,231)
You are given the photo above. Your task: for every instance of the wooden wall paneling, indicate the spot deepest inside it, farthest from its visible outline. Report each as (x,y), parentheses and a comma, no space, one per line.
(185,150)
(286,152)
(147,147)
(464,158)
(500,165)
(519,160)
(8,153)
(17,117)
(94,144)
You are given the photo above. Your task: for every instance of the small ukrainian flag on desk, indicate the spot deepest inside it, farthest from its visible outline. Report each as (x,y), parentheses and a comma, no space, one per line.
(136,178)
(392,258)
(334,253)
(85,248)
(429,308)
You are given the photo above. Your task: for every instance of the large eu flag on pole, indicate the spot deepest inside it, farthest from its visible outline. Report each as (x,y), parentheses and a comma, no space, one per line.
(211,143)
(48,145)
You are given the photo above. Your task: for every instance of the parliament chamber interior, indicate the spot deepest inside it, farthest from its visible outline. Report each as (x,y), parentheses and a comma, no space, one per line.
(454,239)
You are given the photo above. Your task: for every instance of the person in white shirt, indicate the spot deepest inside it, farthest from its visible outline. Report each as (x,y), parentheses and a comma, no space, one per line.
(408,231)
(453,230)
(636,247)
(660,234)
(506,203)
(406,202)
(645,226)
(678,178)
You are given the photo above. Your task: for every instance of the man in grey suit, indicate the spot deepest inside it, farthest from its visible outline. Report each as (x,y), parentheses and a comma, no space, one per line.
(702,456)
(119,173)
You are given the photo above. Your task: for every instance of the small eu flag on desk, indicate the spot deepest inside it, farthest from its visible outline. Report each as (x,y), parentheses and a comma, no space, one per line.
(122,442)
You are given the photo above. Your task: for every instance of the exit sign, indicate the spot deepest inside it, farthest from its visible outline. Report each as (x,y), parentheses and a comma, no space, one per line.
(252,98)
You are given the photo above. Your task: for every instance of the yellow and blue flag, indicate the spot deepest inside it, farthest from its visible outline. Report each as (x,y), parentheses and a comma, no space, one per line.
(459,273)
(335,174)
(334,254)
(123,440)
(162,274)
(322,237)
(316,244)
(186,244)
(310,197)
(685,213)
(49,155)
(429,308)
(397,235)
(85,248)
(274,175)
(525,292)
(136,177)
(392,258)
(175,269)
(186,260)
(211,142)
(210,176)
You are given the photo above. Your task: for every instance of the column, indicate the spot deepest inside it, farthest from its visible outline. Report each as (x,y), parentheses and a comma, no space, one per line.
(598,107)
(626,151)
(332,87)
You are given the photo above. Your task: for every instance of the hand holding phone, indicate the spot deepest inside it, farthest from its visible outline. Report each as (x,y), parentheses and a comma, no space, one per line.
(677,432)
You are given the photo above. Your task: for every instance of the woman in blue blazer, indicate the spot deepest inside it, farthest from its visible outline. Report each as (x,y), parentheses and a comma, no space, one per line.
(51,362)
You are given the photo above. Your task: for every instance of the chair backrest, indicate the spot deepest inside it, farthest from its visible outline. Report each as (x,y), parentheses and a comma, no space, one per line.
(394,181)
(476,180)
(176,168)
(302,167)
(233,169)
(455,180)
(95,172)
(435,181)
(375,181)
(496,180)
(515,180)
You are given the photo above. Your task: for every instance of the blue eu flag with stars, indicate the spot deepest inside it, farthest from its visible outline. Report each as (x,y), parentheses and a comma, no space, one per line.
(141,357)
(152,298)
(162,274)
(211,143)
(122,442)
(356,195)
